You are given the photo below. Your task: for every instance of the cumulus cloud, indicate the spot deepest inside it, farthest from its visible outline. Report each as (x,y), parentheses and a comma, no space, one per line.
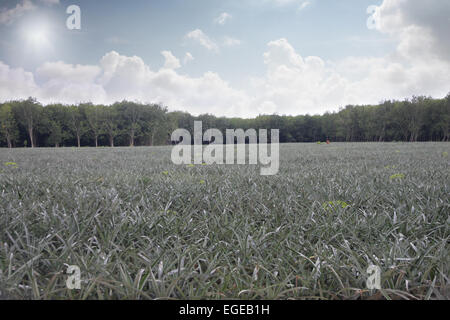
(188,57)
(291,84)
(119,77)
(201,38)
(69,83)
(8,16)
(419,65)
(222,18)
(68,72)
(130,78)
(297,84)
(171,62)
(208,93)
(421,27)
(16,83)
(231,42)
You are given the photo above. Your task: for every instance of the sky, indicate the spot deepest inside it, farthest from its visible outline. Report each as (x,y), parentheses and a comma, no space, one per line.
(226,57)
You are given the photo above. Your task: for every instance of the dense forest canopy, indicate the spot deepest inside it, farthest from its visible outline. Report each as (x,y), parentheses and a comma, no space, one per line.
(27,123)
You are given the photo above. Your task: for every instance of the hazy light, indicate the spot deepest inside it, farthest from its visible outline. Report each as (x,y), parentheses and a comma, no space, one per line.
(37,36)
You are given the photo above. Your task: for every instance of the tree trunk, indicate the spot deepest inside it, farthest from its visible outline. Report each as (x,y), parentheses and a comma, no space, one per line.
(78,141)
(30,133)
(96,141)
(8,139)
(132,138)
(383,132)
(111,141)
(152,138)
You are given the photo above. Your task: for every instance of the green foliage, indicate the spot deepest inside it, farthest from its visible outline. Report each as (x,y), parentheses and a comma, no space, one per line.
(8,125)
(335,204)
(397,176)
(11,164)
(140,227)
(29,114)
(128,123)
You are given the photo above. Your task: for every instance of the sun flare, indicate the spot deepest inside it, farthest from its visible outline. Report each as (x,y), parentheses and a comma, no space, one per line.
(38,38)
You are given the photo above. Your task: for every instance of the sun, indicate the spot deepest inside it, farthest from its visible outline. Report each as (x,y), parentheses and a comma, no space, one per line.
(38,37)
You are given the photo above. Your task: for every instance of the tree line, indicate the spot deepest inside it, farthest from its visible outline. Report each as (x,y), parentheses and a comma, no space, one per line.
(27,123)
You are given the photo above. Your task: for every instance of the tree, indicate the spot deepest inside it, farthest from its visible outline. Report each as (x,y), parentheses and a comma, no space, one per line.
(56,135)
(329,126)
(131,123)
(109,118)
(401,122)
(444,119)
(382,114)
(93,117)
(55,123)
(77,123)
(8,125)
(29,114)
(415,117)
(153,122)
(132,114)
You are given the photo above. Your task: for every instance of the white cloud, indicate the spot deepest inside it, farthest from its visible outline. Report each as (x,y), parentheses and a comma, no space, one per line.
(420,26)
(69,83)
(231,42)
(73,73)
(171,62)
(188,57)
(297,84)
(119,77)
(303,5)
(419,65)
(8,16)
(222,18)
(130,78)
(201,38)
(292,83)
(16,83)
